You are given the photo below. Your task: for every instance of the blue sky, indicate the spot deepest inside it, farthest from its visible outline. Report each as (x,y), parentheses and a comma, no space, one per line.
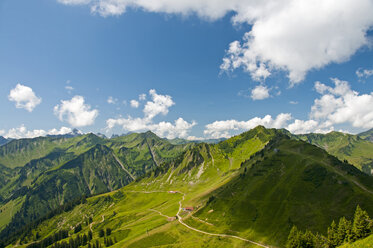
(47,46)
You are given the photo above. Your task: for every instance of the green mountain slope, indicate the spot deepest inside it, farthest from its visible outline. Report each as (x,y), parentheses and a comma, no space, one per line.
(250,188)
(17,153)
(72,167)
(205,167)
(352,148)
(93,172)
(367,135)
(288,183)
(143,152)
(364,243)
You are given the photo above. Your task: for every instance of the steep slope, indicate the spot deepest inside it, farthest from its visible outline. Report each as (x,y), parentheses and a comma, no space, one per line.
(367,135)
(25,176)
(50,152)
(365,243)
(17,153)
(93,172)
(288,183)
(248,189)
(146,203)
(352,148)
(72,167)
(143,152)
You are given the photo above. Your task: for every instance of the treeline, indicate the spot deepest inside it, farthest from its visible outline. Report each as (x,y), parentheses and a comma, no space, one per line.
(62,234)
(344,232)
(18,229)
(78,241)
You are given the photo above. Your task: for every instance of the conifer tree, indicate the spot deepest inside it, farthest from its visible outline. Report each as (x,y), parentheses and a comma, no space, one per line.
(85,239)
(361,224)
(333,235)
(344,230)
(90,235)
(307,240)
(293,238)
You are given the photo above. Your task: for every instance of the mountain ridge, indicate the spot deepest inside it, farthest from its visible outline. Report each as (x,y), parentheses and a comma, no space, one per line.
(255,185)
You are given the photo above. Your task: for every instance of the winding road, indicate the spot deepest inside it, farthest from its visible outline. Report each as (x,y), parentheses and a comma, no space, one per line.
(179,218)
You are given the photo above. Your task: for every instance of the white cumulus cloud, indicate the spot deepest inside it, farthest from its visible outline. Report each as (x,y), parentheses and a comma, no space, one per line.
(224,129)
(74,2)
(299,35)
(134,104)
(364,73)
(76,112)
(291,35)
(341,104)
(260,92)
(337,105)
(300,126)
(24,97)
(158,105)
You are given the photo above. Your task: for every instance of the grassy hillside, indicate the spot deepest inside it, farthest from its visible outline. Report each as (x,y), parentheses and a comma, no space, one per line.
(364,243)
(143,152)
(288,183)
(17,153)
(250,188)
(352,148)
(197,171)
(367,135)
(67,168)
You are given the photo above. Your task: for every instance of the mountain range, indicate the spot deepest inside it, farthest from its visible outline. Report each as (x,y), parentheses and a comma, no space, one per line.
(150,191)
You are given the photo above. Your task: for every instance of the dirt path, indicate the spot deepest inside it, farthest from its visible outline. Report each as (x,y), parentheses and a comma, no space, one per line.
(179,218)
(90,225)
(124,167)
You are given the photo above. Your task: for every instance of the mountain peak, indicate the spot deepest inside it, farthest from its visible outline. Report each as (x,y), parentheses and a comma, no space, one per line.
(150,135)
